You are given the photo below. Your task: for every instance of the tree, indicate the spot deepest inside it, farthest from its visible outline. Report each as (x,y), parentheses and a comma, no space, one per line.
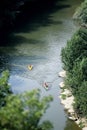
(24,111)
(81,100)
(75,49)
(78,75)
(81,13)
(5,89)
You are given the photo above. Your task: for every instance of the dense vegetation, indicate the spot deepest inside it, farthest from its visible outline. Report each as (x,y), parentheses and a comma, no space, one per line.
(74,58)
(5,89)
(81,13)
(22,111)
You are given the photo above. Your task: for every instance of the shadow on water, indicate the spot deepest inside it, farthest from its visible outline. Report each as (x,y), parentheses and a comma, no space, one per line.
(71,125)
(12,40)
(33,15)
(38,14)
(9,52)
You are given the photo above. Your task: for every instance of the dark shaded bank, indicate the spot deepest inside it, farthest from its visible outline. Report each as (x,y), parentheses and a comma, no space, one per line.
(12,11)
(38,12)
(35,11)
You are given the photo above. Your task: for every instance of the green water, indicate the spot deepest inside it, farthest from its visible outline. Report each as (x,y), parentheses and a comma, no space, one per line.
(39,42)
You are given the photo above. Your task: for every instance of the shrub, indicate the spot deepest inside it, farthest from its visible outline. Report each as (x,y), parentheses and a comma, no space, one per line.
(75,49)
(5,88)
(63,96)
(78,75)
(24,111)
(81,13)
(81,99)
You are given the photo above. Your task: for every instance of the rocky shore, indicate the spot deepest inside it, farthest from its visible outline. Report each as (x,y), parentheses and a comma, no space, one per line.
(67,99)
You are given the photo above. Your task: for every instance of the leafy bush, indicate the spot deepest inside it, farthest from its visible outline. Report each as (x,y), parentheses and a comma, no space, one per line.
(5,89)
(81,13)
(63,96)
(75,49)
(78,75)
(81,124)
(24,111)
(74,58)
(81,99)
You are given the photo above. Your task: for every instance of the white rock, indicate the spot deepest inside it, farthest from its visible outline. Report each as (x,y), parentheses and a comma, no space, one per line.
(71,110)
(66,92)
(68,102)
(61,85)
(62,74)
(85,128)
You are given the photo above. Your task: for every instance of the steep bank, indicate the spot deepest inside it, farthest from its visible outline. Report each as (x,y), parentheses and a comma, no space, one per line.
(67,99)
(75,62)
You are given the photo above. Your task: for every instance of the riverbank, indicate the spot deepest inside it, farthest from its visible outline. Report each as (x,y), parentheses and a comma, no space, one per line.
(67,99)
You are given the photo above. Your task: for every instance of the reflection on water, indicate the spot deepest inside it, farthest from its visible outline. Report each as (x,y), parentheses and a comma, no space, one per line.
(38,41)
(70,125)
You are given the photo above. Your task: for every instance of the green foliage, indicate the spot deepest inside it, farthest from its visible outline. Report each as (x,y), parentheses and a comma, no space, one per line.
(81,99)
(74,58)
(46,125)
(81,124)
(81,13)
(78,75)
(63,96)
(75,49)
(24,111)
(77,81)
(4,87)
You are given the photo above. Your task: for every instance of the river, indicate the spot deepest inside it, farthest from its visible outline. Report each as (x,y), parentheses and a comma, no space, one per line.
(39,43)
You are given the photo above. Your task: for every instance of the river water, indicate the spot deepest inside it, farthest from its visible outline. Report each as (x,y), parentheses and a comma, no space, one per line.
(39,43)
